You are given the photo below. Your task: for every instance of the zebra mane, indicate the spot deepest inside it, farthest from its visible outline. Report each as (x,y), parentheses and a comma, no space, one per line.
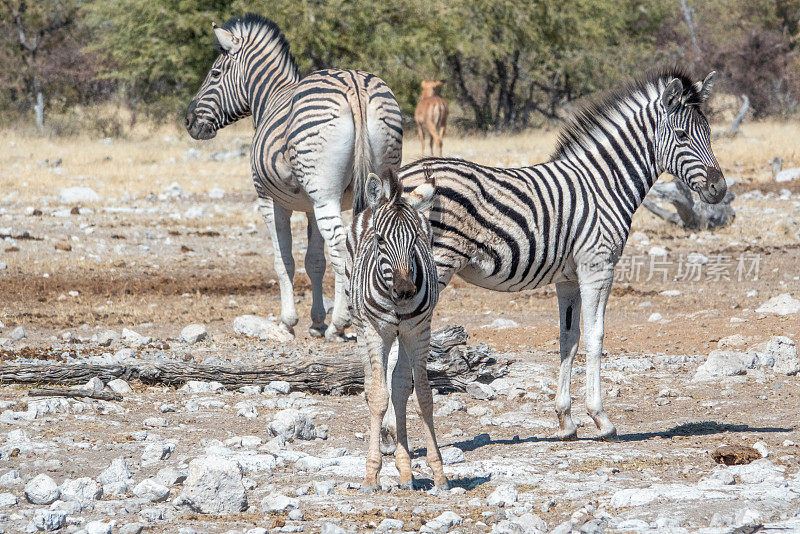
(260,27)
(584,120)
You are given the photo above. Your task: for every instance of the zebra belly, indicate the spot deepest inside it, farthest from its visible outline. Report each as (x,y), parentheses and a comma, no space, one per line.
(295,198)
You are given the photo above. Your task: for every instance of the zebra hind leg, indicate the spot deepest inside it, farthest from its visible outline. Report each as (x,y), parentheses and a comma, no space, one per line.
(569,311)
(315,268)
(278,222)
(329,222)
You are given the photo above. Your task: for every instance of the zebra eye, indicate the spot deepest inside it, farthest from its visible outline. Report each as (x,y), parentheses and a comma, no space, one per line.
(215,73)
(681,135)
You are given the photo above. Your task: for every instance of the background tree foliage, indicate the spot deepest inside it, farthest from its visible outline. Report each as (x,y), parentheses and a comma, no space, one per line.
(506,64)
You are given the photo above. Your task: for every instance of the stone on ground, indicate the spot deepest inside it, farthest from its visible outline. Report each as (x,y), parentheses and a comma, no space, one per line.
(194,333)
(783,304)
(41,490)
(214,486)
(725,363)
(263,329)
(292,424)
(77,195)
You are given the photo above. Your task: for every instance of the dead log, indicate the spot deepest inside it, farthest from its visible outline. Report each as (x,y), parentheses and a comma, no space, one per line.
(690,212)
(452,365)
(737,120)
(75,394)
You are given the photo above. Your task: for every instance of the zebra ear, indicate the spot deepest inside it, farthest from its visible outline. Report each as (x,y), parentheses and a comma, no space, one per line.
(229,42)
(707,85)
(671,97)
(374,191)
(421,198)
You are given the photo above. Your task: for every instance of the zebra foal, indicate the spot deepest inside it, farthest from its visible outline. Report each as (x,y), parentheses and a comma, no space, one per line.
(392,291)
(566,221)
(316,140)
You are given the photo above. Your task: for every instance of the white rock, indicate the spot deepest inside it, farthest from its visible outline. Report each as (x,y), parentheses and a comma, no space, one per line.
(330,528)
(98,527)
(216,194)
(214,486)
(174,189)
(761,447)
(531,523)
(657,251)
(263,329)
(280,387)
(18,334)
(82,490)
(135,339)
(193,333)
(94,385)
(788,175)
(7,499)
(292,424)
(157,451)
(480,391)
(783,304)
(780,353)
(44,519)
(107,337)
(324,487)
(41,490)
(246,409)
(277,502)
(118,471)
(169,476)
(389,524)
(452,455)
(151,490)
(501,323)
(77,195)
(725,363)
(504,495)
(654,317)
(120,386)
(444,522)
(11,479)
(670,293)
(197,386)
(131,528)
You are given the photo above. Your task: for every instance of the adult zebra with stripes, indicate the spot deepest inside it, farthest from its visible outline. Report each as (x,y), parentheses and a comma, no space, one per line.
(316,140)
(392,290)
(566,221)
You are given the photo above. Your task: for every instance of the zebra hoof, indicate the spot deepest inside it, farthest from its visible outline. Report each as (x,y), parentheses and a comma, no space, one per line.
(387,444)
(609,436)
(334,336)
(317,331)
(406,485)
(568,435)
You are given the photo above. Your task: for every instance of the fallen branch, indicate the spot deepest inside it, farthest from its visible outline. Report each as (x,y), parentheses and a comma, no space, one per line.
(452,365)
(737,120)
(689,212)
(75,394)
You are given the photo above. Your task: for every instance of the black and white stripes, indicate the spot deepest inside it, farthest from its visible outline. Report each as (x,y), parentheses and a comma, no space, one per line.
(392,290)
(316,140)
(566,221)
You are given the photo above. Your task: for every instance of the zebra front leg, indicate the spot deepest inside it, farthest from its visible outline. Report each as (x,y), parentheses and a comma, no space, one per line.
(377,400)
(400,390)
(419,347)
(315,268)
(329,222)
(278,223)
(569,310)
(594,294)
(389,427)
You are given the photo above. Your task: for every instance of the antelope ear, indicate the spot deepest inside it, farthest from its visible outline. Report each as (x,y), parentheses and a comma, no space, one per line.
(421,198)
(229,42)
(671,97)
(374,191)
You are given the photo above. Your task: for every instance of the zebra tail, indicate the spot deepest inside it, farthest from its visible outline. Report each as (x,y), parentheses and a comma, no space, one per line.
(362,151)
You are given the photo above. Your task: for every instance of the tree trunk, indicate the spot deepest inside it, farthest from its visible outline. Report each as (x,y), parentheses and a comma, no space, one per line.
(39,109)
(689,213)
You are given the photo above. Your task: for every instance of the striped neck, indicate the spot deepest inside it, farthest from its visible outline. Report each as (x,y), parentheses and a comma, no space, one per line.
(615,140)
(267,66)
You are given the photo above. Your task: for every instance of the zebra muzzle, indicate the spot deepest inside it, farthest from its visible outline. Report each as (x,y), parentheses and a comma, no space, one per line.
(403,287)
(715,188)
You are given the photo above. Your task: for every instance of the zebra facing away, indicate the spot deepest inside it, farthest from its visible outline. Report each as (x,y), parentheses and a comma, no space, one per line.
(316,140)
(392,290)
(566,221)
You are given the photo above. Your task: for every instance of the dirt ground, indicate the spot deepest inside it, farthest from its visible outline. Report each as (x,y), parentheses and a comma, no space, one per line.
(154,259)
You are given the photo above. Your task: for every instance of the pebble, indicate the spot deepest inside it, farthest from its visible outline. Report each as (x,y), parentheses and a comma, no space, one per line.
(151,490)
(324,487)
(44,519)
(782,304)
(214,486)
(452,455)
(505,495)
(131,528)
(725,363)
(134,338)
(278,502)
(654,317)
(7,500)
(193,333)
(291,424)
(481,391)
(157,451)
(18,334)
(263,329)
(280,387)
(98,527)
(42,490)
(197,386)
(761,447)
(82,490)
(120,386)
(77,195)
(390,524)
(118,471)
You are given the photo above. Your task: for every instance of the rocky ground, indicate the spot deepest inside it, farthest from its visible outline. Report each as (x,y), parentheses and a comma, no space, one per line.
(701,354)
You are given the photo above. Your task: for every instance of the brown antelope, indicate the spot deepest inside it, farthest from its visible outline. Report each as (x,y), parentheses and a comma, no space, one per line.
(431,116)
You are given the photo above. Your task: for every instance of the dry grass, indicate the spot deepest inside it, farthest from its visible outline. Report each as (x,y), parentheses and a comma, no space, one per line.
(146,163)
